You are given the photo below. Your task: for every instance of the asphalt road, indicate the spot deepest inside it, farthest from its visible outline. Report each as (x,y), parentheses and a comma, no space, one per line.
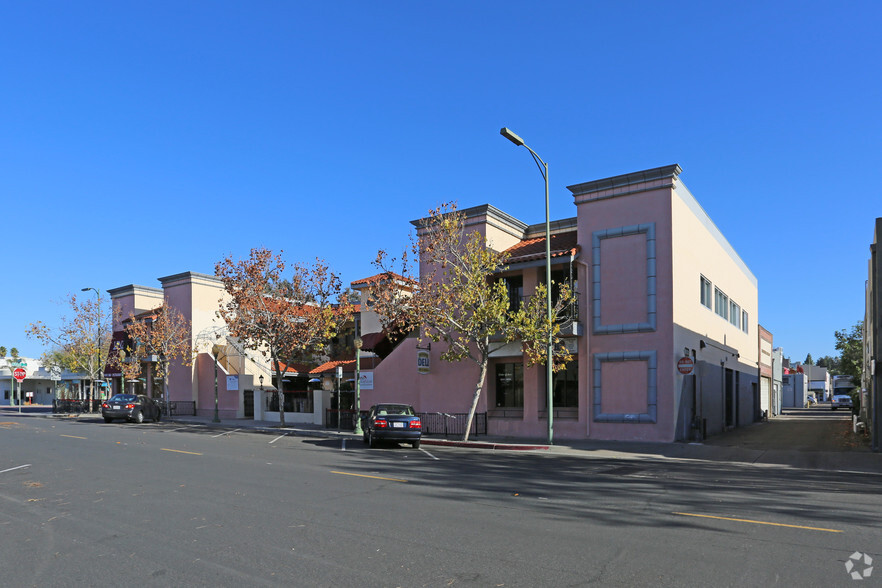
(84,503)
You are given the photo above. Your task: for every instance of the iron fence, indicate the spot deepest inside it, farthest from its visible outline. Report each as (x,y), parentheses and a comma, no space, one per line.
(67,406)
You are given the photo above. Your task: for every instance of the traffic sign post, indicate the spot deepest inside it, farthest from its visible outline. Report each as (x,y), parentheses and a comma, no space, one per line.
(19,374)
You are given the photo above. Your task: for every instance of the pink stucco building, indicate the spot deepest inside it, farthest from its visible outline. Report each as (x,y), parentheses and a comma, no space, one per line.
(657,282)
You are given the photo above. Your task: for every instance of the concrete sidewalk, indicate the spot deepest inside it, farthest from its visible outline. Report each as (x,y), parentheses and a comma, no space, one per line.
(778,443)
(735,446)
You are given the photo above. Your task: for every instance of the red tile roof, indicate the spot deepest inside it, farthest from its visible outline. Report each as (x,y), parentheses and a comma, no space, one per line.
(531,249)
(330,366)
(383,277)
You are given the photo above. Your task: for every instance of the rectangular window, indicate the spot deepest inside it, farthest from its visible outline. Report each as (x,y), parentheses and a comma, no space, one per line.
(744,325)
(734,314)
(509,385)
(705,292)
(515,287)
(721,303)
(566,386)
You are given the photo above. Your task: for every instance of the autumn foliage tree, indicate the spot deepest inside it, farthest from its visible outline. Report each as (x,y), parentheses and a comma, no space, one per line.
(83,337)
(457,299)
(164,333)
(281,317)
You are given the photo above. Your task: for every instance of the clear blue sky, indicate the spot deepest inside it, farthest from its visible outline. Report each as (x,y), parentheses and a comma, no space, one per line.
(143,139)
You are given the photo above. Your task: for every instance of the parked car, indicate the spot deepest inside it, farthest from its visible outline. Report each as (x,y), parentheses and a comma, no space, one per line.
(841,400)
(132,407)
(392,422)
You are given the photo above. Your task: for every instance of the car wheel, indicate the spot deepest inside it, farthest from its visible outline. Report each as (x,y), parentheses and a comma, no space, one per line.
(371,441)
(416,444)
(108,419)
(138,417)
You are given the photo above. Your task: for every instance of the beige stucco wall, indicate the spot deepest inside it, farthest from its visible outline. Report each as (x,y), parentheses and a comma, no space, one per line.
(700,249)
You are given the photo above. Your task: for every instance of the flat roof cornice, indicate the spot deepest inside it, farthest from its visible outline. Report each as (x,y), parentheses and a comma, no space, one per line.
(655,174)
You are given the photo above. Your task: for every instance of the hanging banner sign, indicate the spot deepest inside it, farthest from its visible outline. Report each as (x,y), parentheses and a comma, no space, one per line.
(423,363)
(366,380)
(232,383)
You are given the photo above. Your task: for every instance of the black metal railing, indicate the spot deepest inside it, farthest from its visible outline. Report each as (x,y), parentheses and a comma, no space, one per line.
(434,423)
(68,406)
(178,408)
(452,424)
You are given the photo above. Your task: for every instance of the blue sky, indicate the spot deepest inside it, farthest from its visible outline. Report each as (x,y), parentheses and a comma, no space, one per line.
(140,140)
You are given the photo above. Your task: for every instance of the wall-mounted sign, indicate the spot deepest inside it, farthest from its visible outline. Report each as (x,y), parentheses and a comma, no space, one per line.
(423,363)
(232,383)
(366,380)
(685,365)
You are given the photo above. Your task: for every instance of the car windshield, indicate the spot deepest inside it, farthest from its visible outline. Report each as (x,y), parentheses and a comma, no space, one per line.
(394,409)
(124,398)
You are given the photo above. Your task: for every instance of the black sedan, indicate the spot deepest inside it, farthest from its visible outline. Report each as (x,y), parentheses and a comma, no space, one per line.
(392,422)
(132,407)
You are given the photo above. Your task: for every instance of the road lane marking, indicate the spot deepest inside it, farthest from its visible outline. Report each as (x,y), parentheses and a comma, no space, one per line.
(689,514)
(73,437)
(366,476)
(179,451)
(225,433)
(277,438)
(27,465)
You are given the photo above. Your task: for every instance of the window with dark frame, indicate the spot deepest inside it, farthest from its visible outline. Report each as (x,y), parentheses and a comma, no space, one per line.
(565,384)
(509,385)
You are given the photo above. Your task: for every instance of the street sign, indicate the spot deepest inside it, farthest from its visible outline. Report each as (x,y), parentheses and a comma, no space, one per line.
(19,374)
(685,365)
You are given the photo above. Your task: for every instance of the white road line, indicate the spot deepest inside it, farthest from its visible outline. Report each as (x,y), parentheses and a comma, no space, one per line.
(27,465)
(430,455)
(225,433)
(277,438)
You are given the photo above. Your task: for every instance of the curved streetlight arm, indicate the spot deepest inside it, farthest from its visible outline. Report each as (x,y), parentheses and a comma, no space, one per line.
(514,138)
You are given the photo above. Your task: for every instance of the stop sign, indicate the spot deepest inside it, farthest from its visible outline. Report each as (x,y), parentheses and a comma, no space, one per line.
(19,374)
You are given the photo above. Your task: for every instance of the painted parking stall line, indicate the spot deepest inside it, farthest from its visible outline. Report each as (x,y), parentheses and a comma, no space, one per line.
(27,465)
(225,433)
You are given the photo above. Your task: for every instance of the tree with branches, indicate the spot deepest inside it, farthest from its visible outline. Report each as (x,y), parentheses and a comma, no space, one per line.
(11,363)
(850,344)
(456,299)
(164,333)
(83,338)
(281,318)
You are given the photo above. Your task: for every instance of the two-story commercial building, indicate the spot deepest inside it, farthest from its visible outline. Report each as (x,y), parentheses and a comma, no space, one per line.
(665,342)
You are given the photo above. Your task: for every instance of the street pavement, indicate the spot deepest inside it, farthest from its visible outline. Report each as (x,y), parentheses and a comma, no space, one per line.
(813,438)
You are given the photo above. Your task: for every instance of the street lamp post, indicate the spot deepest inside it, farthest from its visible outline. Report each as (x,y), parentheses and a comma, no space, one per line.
(358,344)
(549,366)
(215,351)
(100,367)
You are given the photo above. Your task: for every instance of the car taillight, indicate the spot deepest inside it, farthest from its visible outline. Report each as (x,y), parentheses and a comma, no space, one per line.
(105,405)
(381,423)
(416,424)
(130,406)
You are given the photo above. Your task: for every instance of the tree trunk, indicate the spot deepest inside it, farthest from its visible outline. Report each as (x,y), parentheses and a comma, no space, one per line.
(477,396)
(280,393)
